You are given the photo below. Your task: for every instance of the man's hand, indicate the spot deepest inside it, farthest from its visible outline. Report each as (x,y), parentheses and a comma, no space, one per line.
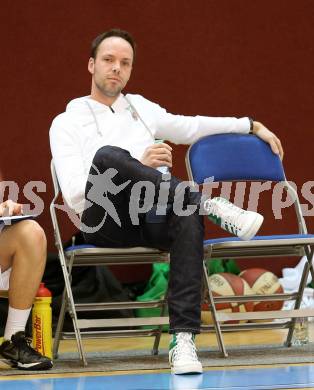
(157,155)
(9,208)
(266,135)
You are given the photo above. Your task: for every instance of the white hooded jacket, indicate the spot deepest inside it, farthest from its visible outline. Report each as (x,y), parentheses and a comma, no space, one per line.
(131,123)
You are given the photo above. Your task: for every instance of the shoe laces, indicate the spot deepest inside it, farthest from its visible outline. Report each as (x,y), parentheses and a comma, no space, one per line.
(229,213)
(185,347)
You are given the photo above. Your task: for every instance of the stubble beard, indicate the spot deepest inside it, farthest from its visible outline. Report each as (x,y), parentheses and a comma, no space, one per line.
(108,91)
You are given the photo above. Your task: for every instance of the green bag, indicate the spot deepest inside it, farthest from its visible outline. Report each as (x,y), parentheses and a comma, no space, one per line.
(216,266)
(155,290)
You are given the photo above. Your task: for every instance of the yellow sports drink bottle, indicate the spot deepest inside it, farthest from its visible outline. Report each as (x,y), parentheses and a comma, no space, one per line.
(42,322)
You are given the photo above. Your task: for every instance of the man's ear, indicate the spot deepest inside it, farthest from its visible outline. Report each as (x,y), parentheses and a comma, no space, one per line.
(90,67)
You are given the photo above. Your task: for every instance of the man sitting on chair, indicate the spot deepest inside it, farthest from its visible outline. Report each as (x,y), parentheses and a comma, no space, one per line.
(104,150)
(22,263)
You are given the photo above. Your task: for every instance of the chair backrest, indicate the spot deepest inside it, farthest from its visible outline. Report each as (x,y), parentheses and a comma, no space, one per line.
(54,177)
(53,207)
(238,157)
(233,157)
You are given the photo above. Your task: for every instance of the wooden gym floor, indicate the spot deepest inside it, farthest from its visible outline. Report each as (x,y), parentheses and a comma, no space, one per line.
(292,376)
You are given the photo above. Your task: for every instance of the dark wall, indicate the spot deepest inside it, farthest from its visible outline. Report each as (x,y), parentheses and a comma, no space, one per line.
(216,58)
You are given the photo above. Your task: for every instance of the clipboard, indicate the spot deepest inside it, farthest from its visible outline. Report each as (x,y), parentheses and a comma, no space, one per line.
(7,221)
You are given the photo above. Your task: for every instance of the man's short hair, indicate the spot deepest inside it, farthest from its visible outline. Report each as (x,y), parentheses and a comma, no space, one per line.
(115,32)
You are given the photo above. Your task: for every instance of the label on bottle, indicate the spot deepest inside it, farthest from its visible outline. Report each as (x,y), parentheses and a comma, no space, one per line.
(38,336)
(42,331)
(163,170)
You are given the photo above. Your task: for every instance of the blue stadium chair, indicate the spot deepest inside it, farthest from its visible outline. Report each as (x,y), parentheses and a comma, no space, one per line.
(89,255)
(234,158)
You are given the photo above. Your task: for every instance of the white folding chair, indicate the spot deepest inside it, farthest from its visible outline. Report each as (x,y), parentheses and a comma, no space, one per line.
(234,157)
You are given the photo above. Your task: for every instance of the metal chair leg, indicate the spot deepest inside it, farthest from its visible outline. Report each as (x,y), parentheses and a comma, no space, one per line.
(307,267)
(214,314)
(59,327)
(72,310)
(159,329)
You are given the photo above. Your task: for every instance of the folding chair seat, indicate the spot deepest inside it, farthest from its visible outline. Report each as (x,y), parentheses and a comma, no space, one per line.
(89,255)
(234,158)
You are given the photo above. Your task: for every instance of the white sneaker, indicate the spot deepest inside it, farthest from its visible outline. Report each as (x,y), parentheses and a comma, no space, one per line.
(182,354)
(241,223)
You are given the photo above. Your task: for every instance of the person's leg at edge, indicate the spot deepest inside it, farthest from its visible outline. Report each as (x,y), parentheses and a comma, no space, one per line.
(23,251)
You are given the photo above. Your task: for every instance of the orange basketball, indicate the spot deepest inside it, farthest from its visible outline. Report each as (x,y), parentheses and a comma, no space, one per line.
(261,282)
(224,284)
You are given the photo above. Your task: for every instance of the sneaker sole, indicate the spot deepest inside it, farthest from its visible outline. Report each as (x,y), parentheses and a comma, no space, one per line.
(34,367)
(25,367)
(254,228)
(187,369)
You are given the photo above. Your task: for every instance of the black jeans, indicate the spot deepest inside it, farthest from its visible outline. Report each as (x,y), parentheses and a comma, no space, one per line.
(182,236)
